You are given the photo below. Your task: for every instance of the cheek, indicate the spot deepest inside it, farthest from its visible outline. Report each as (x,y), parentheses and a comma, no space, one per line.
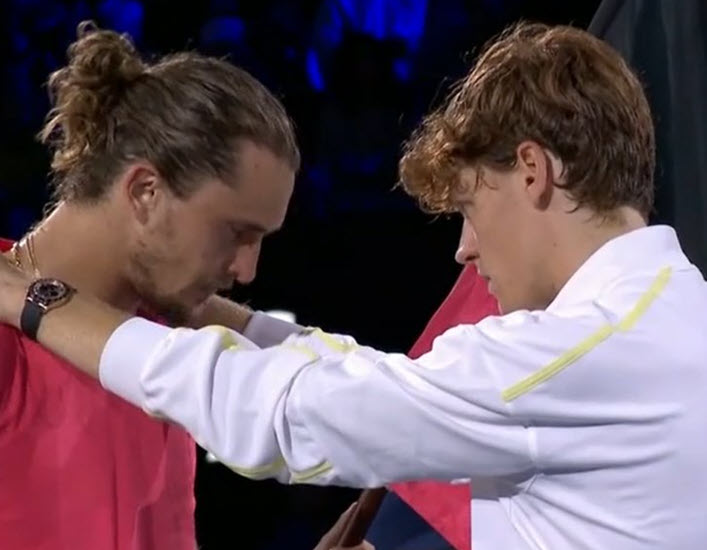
(191,250)
(163,242)
(217,255)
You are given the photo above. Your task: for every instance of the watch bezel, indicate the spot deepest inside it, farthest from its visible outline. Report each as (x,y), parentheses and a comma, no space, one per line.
(48,293)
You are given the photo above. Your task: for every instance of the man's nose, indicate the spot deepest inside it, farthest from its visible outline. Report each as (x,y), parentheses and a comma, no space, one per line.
(468,245)
(244,266)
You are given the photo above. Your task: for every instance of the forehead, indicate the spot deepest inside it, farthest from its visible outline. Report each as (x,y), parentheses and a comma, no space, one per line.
(258,194)
(257,164)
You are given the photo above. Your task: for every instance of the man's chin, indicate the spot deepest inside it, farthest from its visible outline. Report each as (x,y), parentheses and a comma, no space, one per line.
(178,311)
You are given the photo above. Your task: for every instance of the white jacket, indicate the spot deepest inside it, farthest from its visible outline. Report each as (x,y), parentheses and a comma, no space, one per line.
(583,426)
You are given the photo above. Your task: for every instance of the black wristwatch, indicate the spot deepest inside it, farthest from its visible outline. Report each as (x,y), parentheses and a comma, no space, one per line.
(43,296)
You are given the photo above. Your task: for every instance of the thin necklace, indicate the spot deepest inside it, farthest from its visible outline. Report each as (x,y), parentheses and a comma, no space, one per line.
(32,256)
(26,242)
(16,255)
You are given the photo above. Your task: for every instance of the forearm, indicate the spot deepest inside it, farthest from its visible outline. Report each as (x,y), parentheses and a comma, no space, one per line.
(318,408)
(77,331)
(222,312)
(260,328)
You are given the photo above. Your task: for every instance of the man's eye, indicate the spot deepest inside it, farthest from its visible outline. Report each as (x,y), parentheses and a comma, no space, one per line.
(233,234)
(244,237)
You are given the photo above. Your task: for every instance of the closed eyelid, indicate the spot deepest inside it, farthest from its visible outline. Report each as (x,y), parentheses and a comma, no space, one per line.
(253,228)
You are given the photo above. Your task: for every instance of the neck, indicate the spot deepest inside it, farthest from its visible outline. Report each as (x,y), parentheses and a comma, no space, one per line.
(84,246)
(578,241)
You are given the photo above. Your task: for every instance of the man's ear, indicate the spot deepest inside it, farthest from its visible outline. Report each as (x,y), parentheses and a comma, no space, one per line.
(540,170)
(144,190)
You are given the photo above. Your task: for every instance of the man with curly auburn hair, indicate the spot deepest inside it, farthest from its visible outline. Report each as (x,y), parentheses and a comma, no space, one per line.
(578,415)
(547,150)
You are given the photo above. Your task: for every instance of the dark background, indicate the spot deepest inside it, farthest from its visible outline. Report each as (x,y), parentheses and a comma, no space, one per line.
(355,255)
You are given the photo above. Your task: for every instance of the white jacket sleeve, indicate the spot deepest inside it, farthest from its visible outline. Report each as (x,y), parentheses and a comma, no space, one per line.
(319,408)
(264,330)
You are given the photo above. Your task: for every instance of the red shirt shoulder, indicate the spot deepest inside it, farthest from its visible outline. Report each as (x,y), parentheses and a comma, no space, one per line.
(81,468)
(9,350)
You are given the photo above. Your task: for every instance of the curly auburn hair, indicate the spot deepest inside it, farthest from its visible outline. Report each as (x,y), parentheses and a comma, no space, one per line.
(558,86)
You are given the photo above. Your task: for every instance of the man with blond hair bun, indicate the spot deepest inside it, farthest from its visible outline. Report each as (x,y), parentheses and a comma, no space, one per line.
(161,171)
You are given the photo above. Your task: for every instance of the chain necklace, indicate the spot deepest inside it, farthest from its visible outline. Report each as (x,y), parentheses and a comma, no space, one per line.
(28,243)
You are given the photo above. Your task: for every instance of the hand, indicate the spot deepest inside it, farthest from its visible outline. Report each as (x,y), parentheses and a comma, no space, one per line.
(13,288)
(330,540)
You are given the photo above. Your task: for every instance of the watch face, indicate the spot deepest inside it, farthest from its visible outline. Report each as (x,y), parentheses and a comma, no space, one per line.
(46,292)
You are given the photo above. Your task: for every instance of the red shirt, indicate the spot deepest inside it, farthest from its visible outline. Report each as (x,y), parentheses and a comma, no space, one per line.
(447,507)
(82,469)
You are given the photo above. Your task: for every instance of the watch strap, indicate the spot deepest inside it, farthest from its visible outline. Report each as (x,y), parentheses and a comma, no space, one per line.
(30,319)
